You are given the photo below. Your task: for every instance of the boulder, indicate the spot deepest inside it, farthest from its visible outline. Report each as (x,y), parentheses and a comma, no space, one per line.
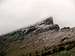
(48,21)
(65,29)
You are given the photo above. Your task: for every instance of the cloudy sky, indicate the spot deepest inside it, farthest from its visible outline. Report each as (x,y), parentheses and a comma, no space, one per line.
(15,14)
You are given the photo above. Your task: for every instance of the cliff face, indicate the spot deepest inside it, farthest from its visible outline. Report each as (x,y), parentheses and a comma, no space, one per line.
(42,39)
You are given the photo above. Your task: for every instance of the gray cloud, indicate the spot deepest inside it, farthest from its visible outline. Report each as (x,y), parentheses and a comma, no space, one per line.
(15,14)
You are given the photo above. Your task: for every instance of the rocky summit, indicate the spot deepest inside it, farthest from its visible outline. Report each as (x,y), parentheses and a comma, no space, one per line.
(44,38)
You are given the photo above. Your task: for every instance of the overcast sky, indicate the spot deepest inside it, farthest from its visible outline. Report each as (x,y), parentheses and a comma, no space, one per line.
(15,14)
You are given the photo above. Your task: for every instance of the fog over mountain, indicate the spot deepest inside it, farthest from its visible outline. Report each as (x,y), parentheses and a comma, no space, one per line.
(15,14)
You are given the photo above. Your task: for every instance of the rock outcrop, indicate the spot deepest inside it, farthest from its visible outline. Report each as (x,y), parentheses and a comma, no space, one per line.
(42,26)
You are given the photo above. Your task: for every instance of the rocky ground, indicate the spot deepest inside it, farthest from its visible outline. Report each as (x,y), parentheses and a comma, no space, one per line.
(41,39)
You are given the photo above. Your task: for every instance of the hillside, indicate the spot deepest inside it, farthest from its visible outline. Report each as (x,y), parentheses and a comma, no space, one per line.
(41,39)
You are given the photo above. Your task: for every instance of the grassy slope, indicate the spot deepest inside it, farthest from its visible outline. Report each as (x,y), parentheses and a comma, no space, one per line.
(38,44)
(70,52)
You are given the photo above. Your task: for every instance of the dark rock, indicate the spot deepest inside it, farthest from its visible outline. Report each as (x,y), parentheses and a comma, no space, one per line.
(30,29)
(47,28)
(48,21)
(56,27)
(65,29)
(52,27)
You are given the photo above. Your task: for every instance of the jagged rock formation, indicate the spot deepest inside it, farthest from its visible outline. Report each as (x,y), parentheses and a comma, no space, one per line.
(41,39)
(43,26)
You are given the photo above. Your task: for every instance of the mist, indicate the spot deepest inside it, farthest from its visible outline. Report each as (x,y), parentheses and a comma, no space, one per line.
(15,14)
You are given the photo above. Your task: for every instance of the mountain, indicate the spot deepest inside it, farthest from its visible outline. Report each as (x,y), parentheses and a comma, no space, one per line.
(41,39)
